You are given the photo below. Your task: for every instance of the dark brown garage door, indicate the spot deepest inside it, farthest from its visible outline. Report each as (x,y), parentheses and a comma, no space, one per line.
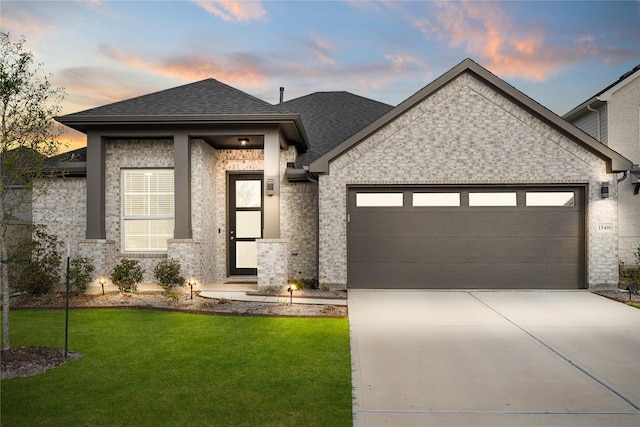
(466,238)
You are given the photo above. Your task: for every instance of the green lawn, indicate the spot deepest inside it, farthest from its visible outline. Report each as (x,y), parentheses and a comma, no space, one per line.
(152,368)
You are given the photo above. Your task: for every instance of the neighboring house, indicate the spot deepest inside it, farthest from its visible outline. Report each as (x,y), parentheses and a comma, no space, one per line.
(612,116)
(467,184)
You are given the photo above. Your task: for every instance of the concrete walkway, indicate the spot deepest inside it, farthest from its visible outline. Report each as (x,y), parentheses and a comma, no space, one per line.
(243,296)
(483,358)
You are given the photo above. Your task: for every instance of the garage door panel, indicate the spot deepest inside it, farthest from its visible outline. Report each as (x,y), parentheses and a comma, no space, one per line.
(460,276)
(476,249)
(468,246)
(465,222)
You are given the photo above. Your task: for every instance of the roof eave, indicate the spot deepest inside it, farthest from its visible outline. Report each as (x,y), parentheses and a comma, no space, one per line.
(296,133)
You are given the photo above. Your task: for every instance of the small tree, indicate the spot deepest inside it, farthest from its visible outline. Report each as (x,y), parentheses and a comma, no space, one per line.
(127,274)
(167,273)
(28,104)
(80,273)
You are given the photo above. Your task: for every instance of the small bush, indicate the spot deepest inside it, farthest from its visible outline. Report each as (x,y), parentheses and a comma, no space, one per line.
(167,273)
(271,290)
(80,273)
(631,276)
(127,274)
(36,262)
(303,282)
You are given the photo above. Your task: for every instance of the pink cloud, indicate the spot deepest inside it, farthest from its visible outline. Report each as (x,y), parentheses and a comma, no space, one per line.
(485,32)
(321,48)
(240,68)
(233,10)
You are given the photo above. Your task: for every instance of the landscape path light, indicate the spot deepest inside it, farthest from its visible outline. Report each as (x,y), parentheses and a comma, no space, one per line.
(290,289)
(102,281)
(191,282)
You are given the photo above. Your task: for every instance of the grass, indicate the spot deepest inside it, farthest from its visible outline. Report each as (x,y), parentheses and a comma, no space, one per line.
(151,368)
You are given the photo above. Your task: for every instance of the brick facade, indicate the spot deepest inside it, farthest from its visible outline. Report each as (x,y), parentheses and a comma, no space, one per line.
(623,125)
(204,257)
(466,133)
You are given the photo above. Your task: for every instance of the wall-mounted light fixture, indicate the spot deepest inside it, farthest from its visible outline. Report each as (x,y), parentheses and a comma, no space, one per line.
(604,190)
(243,141)
(271,187)
(102,282)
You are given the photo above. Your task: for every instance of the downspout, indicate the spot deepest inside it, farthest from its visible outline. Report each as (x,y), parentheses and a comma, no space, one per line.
(598,115)
(623,177)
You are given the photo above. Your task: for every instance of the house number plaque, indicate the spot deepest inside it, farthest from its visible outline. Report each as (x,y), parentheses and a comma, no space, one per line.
(605,228)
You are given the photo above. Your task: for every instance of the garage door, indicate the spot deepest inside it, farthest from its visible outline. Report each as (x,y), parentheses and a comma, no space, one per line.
(466,238)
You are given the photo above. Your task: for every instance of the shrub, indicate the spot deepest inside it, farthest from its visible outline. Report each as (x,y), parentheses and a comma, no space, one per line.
(80,273)
(36,262)
(127,274)
(631,276)
(303,281)
(167,273)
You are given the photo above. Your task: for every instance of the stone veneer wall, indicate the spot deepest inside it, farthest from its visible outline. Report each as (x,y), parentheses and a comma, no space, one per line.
(623,125)
(272,262)
(203,211)
(466,133)
(298,213)
(61,205)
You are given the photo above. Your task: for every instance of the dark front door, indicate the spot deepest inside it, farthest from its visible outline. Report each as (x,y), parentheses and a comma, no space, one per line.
(245,222)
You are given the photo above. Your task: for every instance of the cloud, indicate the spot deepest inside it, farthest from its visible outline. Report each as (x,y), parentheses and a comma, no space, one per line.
(487,33)
(321,49)
(233,10)
(239,68)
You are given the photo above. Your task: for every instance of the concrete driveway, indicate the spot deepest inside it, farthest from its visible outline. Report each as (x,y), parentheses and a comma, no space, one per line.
(494,358)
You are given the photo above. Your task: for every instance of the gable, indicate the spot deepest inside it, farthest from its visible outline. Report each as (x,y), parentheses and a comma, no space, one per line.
(487,83)
(470,133)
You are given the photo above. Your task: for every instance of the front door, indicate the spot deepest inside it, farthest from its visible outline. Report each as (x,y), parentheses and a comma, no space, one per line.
(245,223)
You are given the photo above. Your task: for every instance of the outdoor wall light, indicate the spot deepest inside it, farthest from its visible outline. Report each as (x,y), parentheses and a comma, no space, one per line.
(191,282)
(290,289)
(102,282)
(243,141)
(604,190)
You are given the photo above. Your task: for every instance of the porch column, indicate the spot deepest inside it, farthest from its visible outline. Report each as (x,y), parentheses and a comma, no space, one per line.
(272,177)
(182,186)
(96,187)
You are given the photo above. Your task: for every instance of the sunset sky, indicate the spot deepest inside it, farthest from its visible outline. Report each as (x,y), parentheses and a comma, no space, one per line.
(102,51)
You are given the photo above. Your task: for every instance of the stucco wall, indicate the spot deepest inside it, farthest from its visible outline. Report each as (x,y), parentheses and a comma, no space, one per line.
(466,134)
(624,137)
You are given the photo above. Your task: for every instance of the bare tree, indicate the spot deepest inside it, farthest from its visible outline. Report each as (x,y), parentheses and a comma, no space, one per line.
(28,136)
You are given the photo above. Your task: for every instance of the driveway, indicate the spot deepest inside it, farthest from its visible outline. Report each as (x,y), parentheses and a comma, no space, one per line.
(494,358)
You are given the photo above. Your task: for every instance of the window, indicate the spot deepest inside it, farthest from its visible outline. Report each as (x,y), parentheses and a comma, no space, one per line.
(370,200)
(147,209)
(493,199)
(436,199)
(550,198)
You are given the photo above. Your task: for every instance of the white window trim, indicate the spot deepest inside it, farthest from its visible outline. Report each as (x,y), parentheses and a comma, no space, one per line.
(124,218)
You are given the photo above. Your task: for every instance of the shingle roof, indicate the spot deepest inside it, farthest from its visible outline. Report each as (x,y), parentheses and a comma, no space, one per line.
(328,118)
(206,97)
(331,117)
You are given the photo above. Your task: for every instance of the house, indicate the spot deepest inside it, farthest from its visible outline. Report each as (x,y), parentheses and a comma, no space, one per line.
(466,184)
(612,116)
